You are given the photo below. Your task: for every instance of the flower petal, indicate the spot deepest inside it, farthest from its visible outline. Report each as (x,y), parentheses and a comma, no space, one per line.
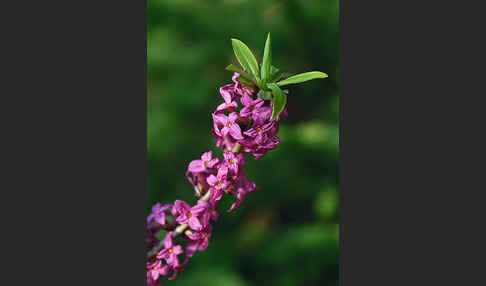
(164,270)
(200,207)
(245,111)
(194,223)
(246,100)
(222,106)
(181,206)
(206,156)
(191,249)
(222,173)
(251,132)
(213,162)
(216,195)
(232,117)
(168,240)
(225,92)
(154,274)
(160,219)
(203,245)
(212,180)
(177,249)
(235,131)
(196,166)
(225,130)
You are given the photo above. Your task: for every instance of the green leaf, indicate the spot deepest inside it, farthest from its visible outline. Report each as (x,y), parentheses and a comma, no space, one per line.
(279,99)
(245,57)
(267,61)
(245,81)
(265,94)
(274,74)
(298,78)
(246,75)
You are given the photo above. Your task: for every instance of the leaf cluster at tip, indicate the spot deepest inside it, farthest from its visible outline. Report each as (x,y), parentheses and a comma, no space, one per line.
(269,78)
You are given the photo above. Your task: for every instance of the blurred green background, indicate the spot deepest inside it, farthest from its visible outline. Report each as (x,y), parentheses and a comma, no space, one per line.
(285,233)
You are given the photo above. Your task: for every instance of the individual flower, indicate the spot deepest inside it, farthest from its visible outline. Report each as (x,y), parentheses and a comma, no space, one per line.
(158,214)
(229,125)
(239,88)
(258,148)
(170,251)
(251,107)
(188,215)
(259,132)
(226,92)
(198,180)
(234,78)
(224,142)
(231,161)
(206,162)
(200,240)
(243,187)
(207,212)
(156,269)
(178,268)
(262,115)
(218,183)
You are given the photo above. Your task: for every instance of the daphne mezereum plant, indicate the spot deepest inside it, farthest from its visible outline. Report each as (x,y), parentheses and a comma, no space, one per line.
(249,128)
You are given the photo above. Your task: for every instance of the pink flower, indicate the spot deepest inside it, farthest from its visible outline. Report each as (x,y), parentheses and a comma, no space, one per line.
(267,142)
(231,161)
(207,212)
(218,183)
(243,187)
(188,215)
(200,241)
(197,166)
(258,132)
(179,268)
(239,88)
(158,213)
(170,251)
(251,107)
(262,115)
(229,125)
(155,270)
(198,180)
(226,92)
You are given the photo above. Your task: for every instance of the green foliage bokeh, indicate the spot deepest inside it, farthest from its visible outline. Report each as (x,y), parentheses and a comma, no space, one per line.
(285,233)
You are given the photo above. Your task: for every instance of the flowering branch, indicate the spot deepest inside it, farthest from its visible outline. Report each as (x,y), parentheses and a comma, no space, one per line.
(181,228)
(251,128)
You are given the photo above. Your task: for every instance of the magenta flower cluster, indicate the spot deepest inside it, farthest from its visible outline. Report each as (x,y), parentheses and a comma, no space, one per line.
(241,124)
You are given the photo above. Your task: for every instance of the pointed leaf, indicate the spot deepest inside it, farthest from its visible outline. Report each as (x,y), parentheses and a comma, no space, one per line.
(279,99)
(267,61)
(245,57)
(245,81)
(274,74)
(265,94)
(243,74)
(302,78)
